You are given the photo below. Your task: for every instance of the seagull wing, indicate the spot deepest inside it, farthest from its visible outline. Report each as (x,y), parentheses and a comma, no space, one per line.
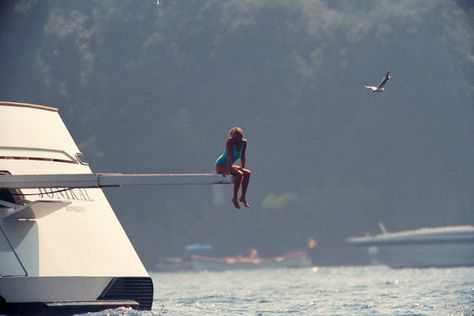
(384,80)
(371,88)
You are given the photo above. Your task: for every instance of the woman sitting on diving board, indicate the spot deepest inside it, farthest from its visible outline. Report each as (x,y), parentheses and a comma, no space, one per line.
(235,148)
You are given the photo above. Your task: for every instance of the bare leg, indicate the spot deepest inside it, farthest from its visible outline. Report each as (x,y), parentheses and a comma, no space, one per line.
(238,176)
(245,184)
(237,181)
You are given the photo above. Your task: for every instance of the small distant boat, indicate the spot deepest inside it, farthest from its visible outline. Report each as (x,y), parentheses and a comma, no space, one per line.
(296,259)
(175,264)
(449,246)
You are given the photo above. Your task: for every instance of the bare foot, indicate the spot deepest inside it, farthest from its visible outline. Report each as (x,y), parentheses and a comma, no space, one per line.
(236,203)
(244,200)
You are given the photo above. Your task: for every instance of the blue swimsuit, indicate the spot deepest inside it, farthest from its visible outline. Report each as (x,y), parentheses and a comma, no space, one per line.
(236,154)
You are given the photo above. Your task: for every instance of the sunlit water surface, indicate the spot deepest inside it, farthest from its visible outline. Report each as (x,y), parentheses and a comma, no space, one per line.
(374,290)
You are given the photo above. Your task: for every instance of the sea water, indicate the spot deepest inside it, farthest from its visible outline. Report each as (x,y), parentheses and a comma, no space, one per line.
(373,290)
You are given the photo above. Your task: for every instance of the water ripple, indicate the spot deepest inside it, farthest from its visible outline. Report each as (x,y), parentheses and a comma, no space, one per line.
(324,291)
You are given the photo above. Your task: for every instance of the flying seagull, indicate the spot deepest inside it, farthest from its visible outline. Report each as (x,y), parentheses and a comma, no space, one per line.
(379,88)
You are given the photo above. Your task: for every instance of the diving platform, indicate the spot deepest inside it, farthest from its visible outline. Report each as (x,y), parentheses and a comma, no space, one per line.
(103,180)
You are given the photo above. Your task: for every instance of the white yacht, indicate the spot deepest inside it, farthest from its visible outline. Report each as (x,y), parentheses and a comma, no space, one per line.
(449,246)
(62,248)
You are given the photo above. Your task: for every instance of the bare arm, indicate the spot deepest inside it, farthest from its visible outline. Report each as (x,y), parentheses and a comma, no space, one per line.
(243,158)
(230,149)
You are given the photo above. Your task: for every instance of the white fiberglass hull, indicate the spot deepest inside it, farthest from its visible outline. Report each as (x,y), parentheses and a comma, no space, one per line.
(424,255)
(61,249)
(451,246)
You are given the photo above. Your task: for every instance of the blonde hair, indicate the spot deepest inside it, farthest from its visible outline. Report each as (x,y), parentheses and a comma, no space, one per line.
(236,130)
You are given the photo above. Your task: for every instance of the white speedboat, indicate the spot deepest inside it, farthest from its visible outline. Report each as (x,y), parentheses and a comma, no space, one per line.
(449,246)
(62,248)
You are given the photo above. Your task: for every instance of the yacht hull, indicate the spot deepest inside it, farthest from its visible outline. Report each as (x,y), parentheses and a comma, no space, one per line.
(451,246)
(61,248)
(72,295)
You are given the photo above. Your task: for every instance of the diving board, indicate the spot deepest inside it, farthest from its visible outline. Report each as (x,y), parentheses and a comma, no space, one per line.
(101,180)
